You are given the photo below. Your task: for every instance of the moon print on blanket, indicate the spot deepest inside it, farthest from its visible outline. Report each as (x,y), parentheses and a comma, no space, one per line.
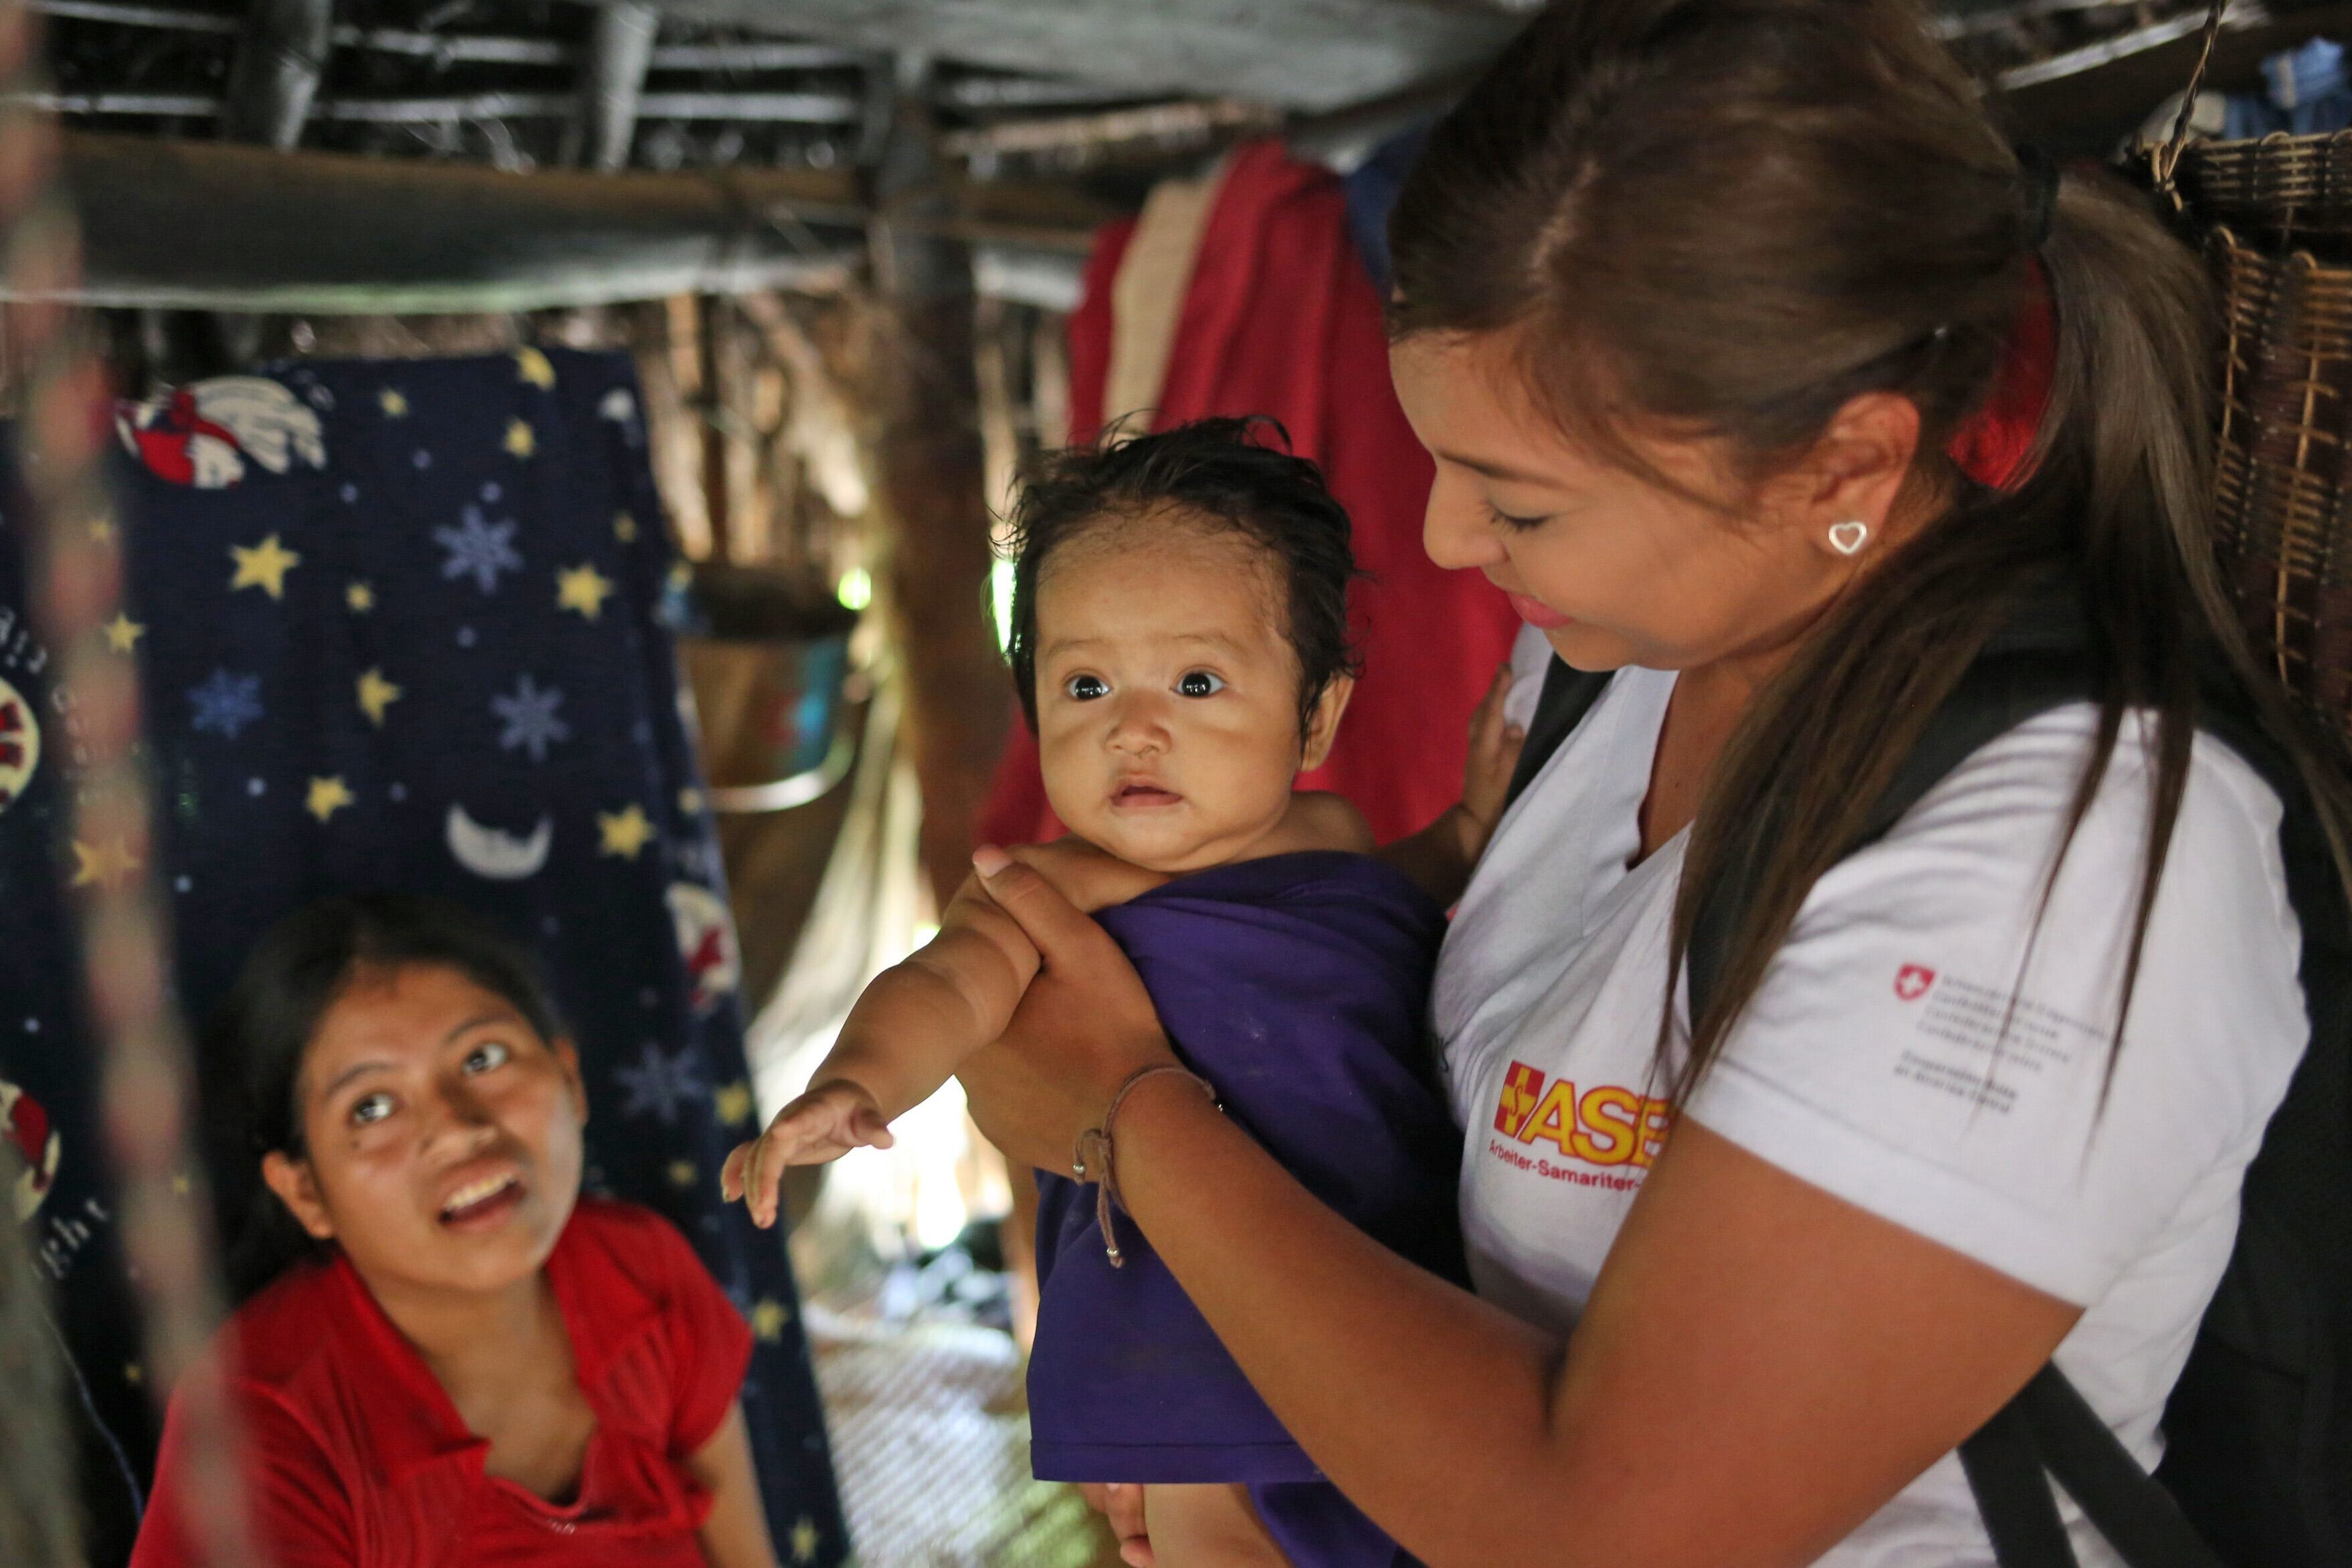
(500,857)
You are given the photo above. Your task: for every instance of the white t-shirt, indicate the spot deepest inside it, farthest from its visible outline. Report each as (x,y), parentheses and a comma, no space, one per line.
(1861,1066)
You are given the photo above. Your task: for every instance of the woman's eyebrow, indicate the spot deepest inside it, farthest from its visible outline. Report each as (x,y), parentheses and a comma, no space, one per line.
(1494,470)
(355,1070)
(497,1015)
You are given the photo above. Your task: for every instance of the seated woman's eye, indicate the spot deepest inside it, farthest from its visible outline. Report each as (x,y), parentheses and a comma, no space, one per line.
(371,1108)
(1199,683)
(483,1058)
(1086,688)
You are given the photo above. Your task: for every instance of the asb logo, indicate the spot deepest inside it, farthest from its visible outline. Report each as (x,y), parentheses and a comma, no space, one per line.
(1913,981)
(1605,1125)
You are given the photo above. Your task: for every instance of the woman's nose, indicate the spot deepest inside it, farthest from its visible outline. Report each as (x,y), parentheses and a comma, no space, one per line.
(1456,531)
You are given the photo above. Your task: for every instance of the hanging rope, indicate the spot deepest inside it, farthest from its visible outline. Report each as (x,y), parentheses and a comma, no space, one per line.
(77,564)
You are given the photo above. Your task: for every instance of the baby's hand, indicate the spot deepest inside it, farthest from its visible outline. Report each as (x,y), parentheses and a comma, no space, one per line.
(828,1121)
(1494,755)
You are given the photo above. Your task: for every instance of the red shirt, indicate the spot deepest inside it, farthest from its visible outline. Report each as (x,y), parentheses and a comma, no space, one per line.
(359,1458)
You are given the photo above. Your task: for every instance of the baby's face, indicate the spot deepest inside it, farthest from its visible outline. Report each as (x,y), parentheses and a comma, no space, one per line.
(1167,693)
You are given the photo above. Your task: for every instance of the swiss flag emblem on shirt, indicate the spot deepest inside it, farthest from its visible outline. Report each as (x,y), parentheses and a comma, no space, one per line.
(1911,981)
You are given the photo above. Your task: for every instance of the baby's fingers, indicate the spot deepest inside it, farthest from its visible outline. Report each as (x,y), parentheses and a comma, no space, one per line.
(867,1129)
(730,1174)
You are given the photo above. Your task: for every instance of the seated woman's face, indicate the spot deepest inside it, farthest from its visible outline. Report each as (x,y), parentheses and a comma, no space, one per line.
(442,1135)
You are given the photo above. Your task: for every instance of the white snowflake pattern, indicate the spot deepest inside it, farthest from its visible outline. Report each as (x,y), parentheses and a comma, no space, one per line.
(478,548)
(660,1084)
(529,719)
(224,703)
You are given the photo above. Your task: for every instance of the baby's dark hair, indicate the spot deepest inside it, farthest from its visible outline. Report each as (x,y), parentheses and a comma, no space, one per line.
(256,1041)
(1220,472)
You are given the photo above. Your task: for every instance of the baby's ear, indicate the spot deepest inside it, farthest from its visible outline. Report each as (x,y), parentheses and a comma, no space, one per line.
(298,1189)
(1323,722)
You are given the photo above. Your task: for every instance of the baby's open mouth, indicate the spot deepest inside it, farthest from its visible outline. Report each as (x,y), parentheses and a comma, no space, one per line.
(1137,792)
(482,1200)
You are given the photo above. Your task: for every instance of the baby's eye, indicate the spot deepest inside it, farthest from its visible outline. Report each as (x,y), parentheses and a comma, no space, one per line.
(1199,683)
(371,1108)
(1085,688)
(483,1058)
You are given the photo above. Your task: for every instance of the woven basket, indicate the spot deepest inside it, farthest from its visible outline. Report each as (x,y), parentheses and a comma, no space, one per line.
(2283,484)
(2280,191)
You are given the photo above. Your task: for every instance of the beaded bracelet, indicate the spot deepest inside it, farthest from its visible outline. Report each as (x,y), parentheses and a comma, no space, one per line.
(1096,1140)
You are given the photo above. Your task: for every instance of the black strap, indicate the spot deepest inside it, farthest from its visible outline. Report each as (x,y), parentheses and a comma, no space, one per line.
(2130,1507)
(2013,1492)
(1568,694)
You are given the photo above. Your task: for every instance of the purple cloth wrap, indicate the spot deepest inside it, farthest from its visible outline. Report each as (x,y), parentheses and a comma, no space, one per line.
(1298,985)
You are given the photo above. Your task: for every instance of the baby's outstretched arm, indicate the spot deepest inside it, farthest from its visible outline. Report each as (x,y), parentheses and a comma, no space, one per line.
(918,1021)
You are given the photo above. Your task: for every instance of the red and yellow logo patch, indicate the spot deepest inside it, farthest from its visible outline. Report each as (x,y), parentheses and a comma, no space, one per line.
(1605,1125)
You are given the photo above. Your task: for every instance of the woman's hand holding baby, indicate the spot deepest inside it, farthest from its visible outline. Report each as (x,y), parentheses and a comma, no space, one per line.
(828,1121)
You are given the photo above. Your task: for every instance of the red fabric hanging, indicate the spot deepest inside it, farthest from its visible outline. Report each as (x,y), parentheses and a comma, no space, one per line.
(1280,318)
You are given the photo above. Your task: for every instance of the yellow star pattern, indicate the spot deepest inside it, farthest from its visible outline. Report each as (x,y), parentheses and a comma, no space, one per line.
(519,440)
(690,801)
(532,367)
(133,1374)
(624,832)
(624,528)
(769,1318)
(376,694)
(681,1173)
(105,865)
(393,405)
(805,1539)
(733,1103)
(360,597)
(180,1185)
(122,633)
(327,798)
(263,566)
(101,531)
(582,588)
(681,577)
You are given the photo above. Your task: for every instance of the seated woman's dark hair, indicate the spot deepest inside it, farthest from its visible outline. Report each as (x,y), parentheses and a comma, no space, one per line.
(254,1047)
(1217,471)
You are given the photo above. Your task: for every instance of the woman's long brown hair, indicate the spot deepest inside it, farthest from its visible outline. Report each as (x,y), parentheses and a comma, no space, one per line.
(1730,217)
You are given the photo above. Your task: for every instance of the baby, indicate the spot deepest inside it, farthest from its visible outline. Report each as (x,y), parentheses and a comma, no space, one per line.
(1179,641)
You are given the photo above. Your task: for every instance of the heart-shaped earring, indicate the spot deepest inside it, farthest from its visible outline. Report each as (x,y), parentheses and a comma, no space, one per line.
(1847,538)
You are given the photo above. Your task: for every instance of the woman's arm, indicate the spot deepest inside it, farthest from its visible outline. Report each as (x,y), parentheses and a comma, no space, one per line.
(1760,1366)
(735,1535)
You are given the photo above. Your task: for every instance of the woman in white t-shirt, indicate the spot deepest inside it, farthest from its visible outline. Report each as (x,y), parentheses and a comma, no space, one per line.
(1692,297)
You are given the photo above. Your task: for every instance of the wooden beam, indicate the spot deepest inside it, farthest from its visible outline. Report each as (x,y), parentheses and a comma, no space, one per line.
(620,49)
(1300,54)
(924,400)
(206,226)
(278,61)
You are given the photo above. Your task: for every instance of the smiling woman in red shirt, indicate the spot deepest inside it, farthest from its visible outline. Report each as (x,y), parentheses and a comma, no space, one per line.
(454,1359)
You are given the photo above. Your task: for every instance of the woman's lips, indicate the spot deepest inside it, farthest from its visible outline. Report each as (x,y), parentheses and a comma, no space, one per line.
(1538,614)
(482,1205)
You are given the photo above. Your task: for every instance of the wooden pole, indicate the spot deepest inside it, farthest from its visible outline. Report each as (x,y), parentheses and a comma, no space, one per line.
(206,226)
(933,509)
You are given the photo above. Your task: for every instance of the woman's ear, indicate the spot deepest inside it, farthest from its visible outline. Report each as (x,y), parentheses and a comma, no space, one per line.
(1857,469)
(298,1189)
(1323,723)
(567,1057)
